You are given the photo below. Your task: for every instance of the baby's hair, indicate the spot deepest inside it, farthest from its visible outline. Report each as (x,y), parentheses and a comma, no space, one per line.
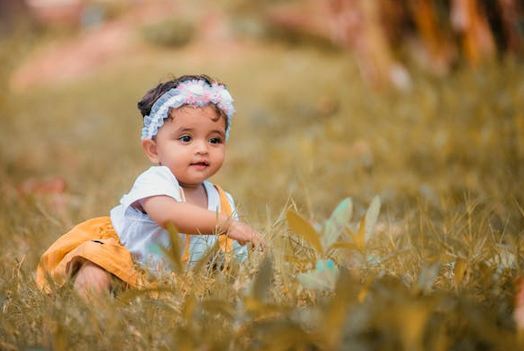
(146,103)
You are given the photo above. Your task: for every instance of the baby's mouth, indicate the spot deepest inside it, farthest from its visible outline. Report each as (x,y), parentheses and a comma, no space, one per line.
(200,164)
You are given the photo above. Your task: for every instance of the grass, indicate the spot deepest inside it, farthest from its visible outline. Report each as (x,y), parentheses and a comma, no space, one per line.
(446,159)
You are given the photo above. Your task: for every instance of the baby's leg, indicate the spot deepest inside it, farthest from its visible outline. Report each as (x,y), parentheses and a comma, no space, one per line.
(92,279)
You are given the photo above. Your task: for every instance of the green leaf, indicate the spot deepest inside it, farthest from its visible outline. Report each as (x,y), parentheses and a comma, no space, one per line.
(337,221)
(372,216)
(313,280)
(302,227)
(323,277)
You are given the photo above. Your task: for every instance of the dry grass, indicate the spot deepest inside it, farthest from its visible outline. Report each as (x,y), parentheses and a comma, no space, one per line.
(446,159)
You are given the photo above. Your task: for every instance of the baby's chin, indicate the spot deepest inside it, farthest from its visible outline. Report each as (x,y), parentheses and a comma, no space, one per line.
(196,176)
(191,182)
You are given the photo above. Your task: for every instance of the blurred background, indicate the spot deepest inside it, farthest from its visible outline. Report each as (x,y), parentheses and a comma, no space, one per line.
(418,101)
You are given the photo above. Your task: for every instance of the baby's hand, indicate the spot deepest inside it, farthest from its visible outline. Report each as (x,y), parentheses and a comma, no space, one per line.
(244,234)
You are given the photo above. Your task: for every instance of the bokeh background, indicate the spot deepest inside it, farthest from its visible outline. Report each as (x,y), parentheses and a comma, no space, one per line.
(418,101)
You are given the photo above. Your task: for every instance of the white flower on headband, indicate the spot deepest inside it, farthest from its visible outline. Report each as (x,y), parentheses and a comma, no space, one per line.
(194,93)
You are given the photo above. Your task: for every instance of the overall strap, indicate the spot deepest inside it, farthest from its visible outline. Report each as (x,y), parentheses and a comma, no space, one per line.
(226,244)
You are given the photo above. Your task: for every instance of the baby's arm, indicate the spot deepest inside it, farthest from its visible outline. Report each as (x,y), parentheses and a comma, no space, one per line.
(191,219)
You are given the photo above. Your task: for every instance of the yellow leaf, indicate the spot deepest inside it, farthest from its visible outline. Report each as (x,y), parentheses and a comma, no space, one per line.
(362,294)
(189,307)
(218,306)
(365,288)
(360,238)
(459,271)
(343,245)
(302,227)
(336,312)
(414,319)
(253,305)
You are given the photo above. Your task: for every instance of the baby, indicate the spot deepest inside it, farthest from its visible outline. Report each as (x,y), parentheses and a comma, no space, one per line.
(187,122)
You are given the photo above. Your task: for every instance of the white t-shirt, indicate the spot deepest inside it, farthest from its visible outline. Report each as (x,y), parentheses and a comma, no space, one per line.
(142,236)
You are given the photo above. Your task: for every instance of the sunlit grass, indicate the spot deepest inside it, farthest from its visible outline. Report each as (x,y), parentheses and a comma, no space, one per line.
(446,159)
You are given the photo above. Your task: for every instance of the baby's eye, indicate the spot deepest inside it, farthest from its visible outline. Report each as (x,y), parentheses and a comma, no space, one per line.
(185,138)
(215,140)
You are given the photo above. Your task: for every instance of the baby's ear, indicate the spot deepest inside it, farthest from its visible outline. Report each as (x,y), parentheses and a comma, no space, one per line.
(151,151)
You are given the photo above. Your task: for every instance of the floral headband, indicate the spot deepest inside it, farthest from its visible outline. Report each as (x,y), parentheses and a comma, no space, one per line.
(193,92)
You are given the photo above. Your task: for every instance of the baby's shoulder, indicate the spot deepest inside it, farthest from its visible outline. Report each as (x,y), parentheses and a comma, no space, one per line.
(156,173)
(157,176)
(156,180)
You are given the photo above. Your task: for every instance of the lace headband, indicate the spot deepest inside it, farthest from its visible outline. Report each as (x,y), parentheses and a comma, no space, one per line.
(194,93)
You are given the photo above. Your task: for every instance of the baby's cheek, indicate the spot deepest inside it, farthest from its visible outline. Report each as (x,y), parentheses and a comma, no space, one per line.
(222,156)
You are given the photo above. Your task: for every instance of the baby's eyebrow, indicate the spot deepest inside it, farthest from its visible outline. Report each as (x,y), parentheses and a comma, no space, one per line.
(221,132)
(182,130)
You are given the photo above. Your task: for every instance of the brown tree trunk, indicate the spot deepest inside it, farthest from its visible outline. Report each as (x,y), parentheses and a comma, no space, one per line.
(438,46)
(510,13)
(477,40)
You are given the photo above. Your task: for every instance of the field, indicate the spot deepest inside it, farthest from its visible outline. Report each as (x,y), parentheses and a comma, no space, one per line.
(439,270)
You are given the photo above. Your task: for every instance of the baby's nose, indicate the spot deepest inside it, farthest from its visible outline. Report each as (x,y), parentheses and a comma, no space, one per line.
(201,146)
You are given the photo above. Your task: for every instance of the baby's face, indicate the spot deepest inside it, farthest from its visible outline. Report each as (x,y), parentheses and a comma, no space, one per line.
(192,144)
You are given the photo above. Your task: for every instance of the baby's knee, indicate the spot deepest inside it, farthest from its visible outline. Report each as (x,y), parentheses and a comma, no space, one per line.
(92,278)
